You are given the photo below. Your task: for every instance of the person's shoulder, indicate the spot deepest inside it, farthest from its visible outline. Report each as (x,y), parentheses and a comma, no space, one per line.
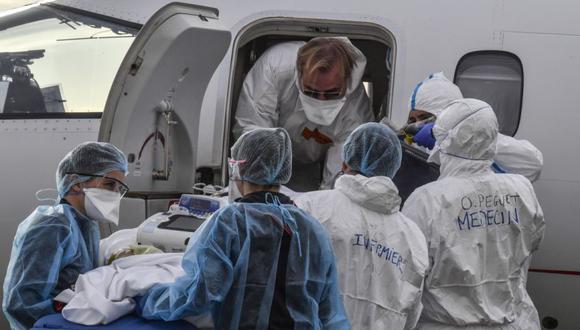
(230,213)
(316,197)
(324,205)
(304,218)
(409,226)
(417,251)
(45,221)
(290,47)
(225,219)
(515,177)
(50,216)
(517,182)
(426,189)
(512,181)
(410,236)
(282,57)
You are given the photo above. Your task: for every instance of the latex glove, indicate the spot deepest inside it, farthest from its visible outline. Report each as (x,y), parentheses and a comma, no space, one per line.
(425,137)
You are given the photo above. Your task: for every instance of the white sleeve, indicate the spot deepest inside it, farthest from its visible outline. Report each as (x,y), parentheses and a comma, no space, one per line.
(332,166)
(303,202)
(419,207)
(415,312)
(415,209)
(421,264)
(539,224)
(258,102)
(519,157)
(540,228)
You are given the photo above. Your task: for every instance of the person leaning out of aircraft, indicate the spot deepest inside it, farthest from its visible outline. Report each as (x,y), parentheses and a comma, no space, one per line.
(381,254)
(57,243)
(433,94)
(314,90)
(481,228)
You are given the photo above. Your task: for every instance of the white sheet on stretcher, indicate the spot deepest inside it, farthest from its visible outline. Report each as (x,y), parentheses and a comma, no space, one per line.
(104,294)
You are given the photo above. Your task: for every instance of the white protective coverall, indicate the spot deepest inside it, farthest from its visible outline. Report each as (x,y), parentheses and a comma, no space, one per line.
(270,98)
(381,255)
(512,155)
(481,229)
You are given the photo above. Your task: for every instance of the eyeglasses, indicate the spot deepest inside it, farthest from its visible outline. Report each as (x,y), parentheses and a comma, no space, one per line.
(330,95)
(234,168)
(109,183)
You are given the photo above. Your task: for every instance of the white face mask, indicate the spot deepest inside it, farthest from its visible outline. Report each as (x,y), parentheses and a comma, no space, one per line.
(321,112)
(233,192)
(102,205)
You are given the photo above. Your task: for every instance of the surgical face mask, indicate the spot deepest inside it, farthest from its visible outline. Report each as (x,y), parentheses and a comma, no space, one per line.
(102,205)
(321,112)
(234,173)
(233,192)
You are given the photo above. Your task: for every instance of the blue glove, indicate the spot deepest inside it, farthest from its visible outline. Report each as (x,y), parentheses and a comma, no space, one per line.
(425,137)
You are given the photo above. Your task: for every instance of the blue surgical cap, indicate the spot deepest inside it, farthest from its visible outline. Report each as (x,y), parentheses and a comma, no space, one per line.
(94,158)
(373,149)
(264,156)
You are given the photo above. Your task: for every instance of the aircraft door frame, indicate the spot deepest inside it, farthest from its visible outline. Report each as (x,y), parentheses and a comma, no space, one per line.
(154,106)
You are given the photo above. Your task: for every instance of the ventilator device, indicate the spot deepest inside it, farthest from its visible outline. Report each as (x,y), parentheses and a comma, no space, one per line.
(170,231)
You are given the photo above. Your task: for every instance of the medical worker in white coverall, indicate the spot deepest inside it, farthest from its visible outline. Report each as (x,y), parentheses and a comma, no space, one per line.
(433,94)
(314,90)
(381,255)
(481,228)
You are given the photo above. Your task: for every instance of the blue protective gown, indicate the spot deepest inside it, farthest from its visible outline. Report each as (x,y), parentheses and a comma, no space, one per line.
(231,271)
(52,247)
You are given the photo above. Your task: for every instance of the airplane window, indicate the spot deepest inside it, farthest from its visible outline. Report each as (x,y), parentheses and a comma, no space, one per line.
(496,78)
(53,61)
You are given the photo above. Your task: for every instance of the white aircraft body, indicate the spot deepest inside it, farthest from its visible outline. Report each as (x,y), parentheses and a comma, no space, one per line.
(161,81)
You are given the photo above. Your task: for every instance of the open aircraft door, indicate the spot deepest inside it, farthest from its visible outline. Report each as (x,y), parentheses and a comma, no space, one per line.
(153,109)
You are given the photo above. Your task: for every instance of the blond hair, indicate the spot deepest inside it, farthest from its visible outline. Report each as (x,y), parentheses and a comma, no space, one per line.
(322,54)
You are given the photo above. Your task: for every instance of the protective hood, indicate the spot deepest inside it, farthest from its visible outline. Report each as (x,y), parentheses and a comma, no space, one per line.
(324,112)
(434,94)
(357,72)
(378,193)
(466,130)
(358,69)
